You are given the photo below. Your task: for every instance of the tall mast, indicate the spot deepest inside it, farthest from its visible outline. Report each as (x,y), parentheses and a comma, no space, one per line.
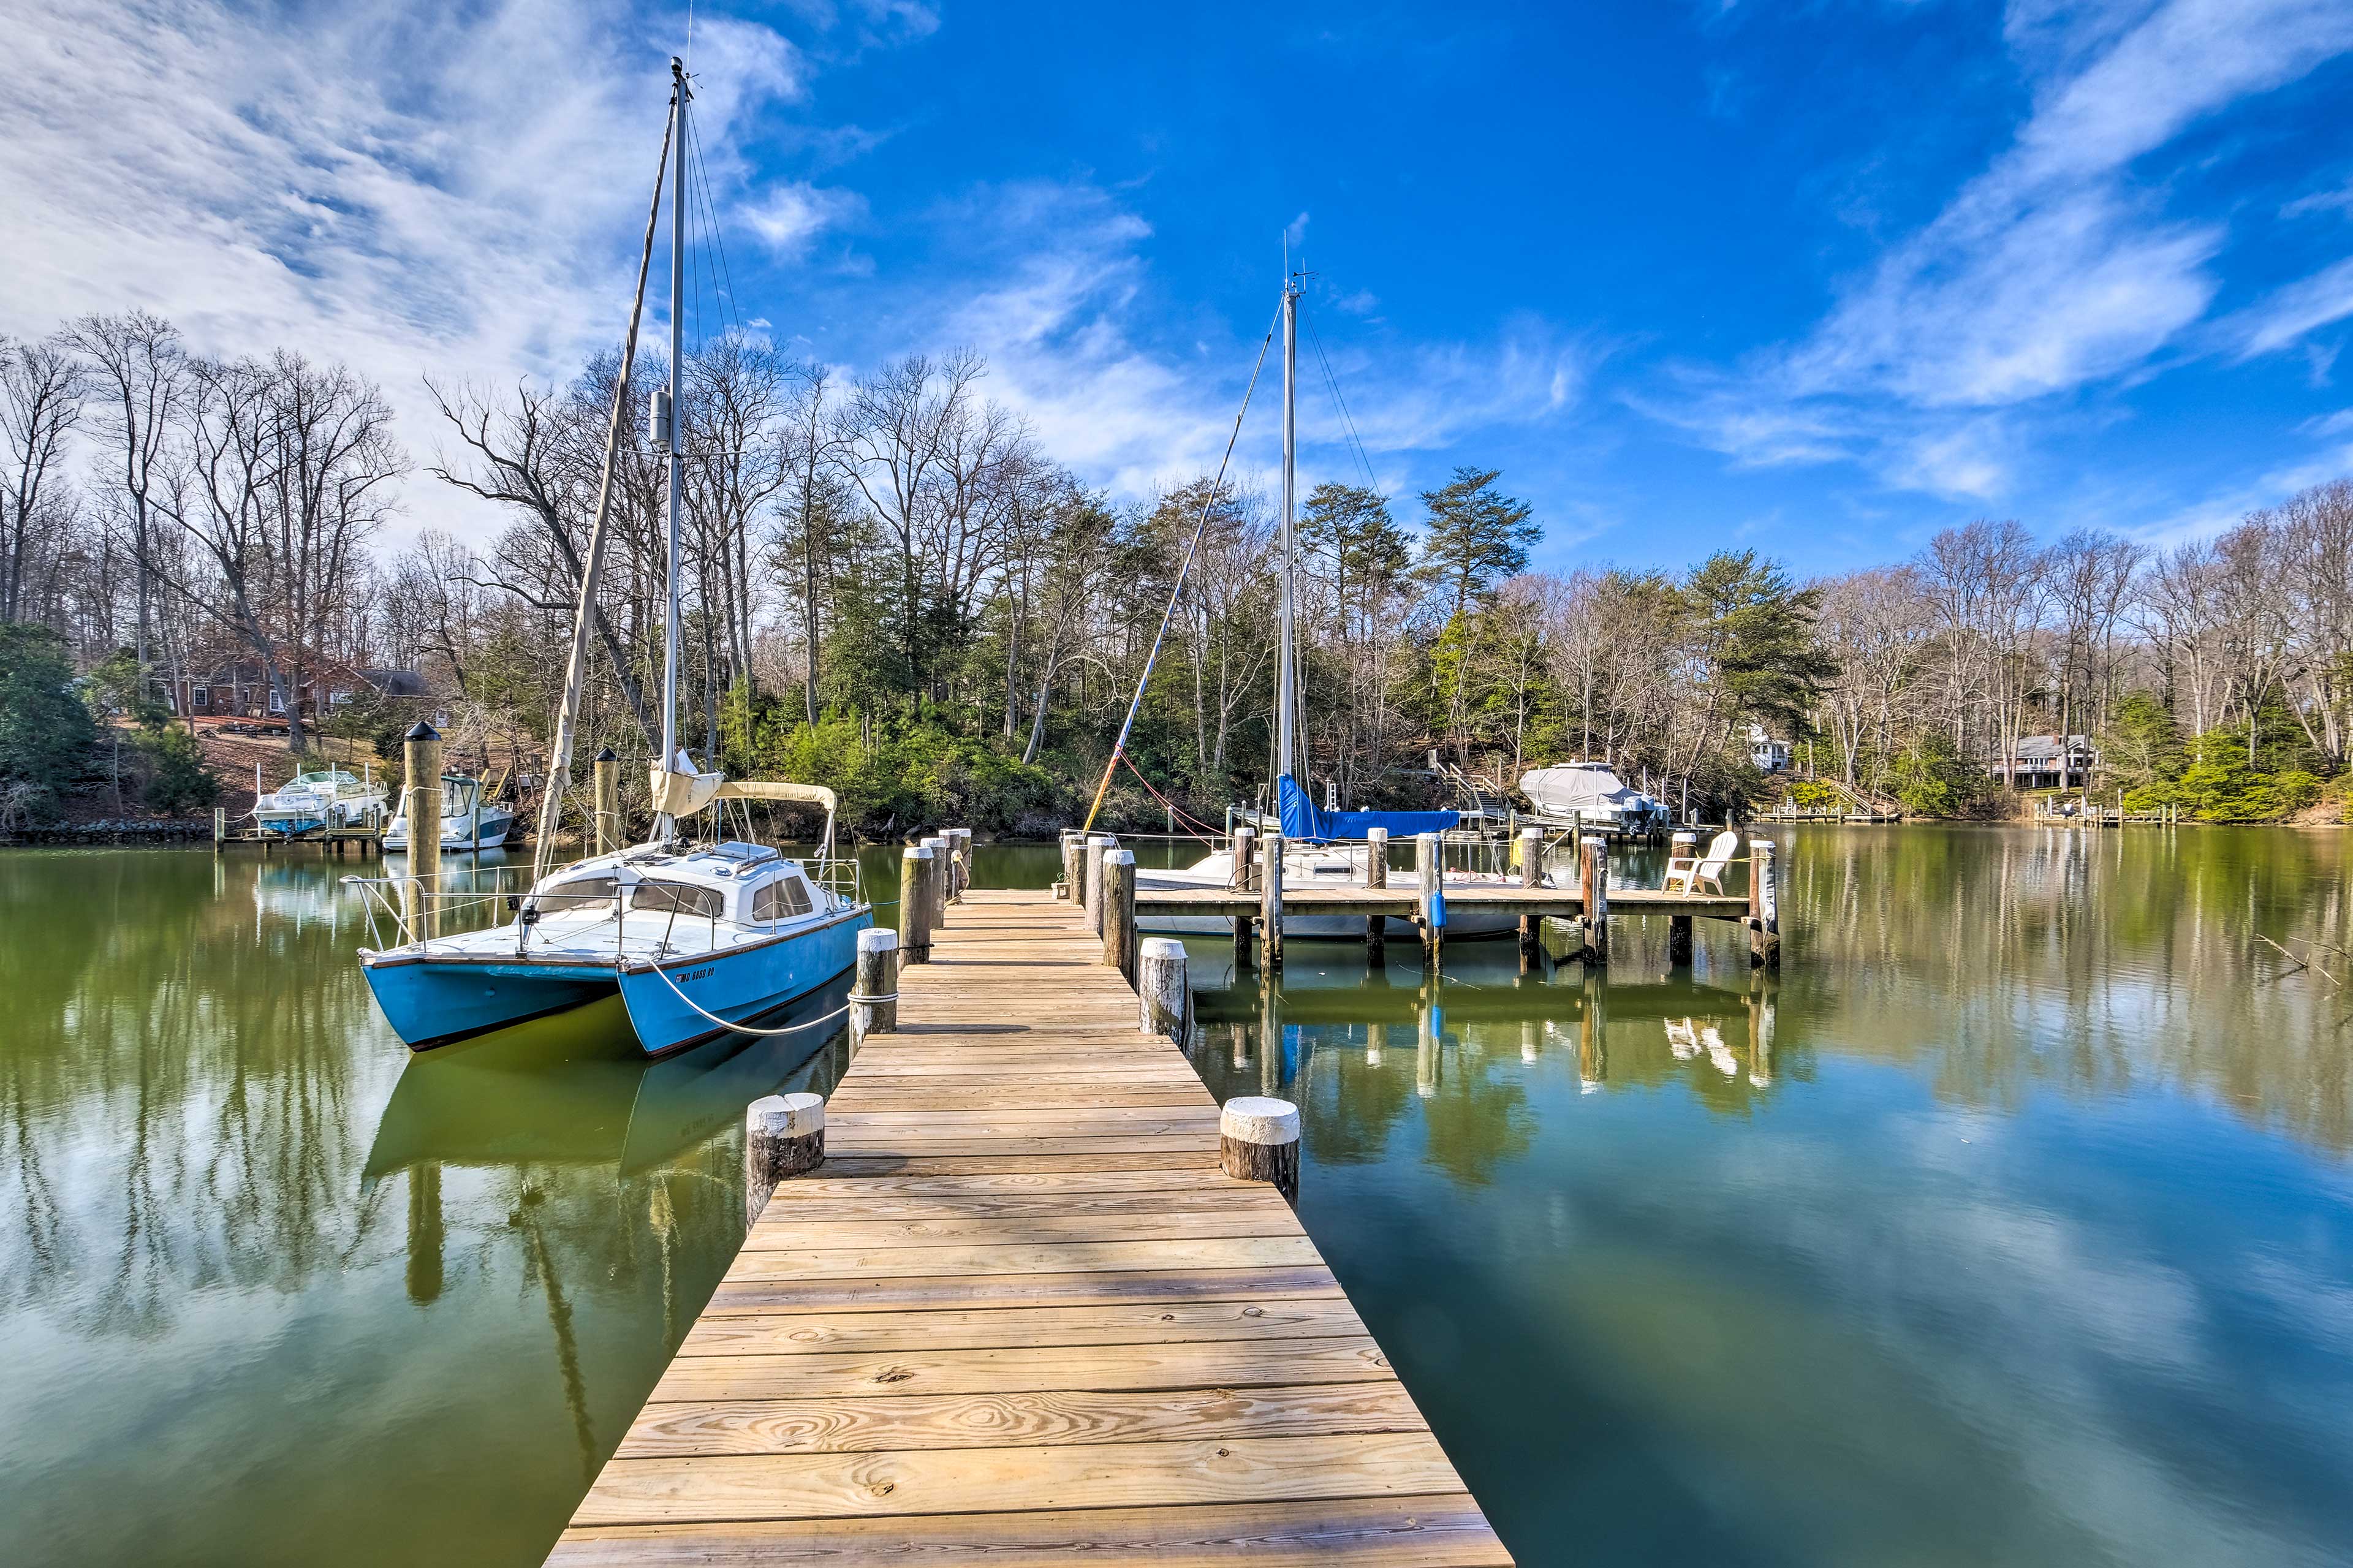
(677,423)
(1286,671)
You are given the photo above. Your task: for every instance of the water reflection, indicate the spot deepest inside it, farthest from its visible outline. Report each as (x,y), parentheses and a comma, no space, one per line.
(2009,1223)
(409,1302)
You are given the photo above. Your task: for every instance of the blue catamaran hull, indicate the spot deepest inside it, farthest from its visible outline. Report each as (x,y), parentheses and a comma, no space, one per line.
(683,1000)
(431,1003)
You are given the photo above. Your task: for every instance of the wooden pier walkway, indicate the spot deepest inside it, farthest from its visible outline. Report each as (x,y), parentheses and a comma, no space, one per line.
(1019,1317)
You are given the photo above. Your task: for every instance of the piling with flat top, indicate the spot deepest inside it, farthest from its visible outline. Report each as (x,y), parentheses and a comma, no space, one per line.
(1258,1141)
(1377,875)
(1270,899)
(915,931)
(1244,878)
(1163,994)
(937,886)
(1681,845)
(874,998)
(1531,873)
(1597,899)
(784,1135)
(606,801)
(1074,865)
(220,828)
(1764,906)
(959,862)
(1119,911)
(422,753)
(1098,846)
(1428,899)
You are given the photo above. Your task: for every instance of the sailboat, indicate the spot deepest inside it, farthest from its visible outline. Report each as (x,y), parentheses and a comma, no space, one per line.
(699,934)
(1322,846)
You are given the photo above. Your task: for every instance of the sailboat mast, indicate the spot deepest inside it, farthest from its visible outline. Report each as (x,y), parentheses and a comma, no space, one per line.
(677,421)
(1286,670)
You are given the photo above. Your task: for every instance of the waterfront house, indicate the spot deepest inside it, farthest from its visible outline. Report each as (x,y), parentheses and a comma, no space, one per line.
(2048,762)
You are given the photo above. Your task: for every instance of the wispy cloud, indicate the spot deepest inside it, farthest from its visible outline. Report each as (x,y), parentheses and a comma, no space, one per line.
(789,215)
(2052,270)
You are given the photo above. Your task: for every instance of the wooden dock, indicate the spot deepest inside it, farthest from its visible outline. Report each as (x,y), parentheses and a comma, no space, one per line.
(1018,1316)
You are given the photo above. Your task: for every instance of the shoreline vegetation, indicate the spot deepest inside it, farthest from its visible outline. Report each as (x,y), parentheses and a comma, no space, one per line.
(896,591)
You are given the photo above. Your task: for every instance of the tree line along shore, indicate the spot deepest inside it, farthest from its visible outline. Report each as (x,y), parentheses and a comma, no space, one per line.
(896,590)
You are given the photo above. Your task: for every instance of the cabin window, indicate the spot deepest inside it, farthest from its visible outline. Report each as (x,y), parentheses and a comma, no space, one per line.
(277,704)
(580,893)
(203,697)
(337,699)
(795,894)
(780,900)
(681,898)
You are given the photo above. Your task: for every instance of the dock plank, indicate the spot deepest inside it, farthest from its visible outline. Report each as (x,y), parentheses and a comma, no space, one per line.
(1019,1316)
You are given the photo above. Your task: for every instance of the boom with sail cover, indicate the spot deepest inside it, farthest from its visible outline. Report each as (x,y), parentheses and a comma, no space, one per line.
(1305,822)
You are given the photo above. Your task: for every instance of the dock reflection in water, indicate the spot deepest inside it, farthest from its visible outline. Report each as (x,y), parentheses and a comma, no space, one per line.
(2011,1223)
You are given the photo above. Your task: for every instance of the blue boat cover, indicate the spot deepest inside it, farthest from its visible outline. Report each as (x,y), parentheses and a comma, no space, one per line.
(1304,820)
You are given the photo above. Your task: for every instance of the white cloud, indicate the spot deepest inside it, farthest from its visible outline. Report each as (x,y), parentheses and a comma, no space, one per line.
(2052,270)
(456,194)
(789,215)
(2302,307)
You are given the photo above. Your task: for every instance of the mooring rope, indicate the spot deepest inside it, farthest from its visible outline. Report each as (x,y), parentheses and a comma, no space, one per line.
(747,1029)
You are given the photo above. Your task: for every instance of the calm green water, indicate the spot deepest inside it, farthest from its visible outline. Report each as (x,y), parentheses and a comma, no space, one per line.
(2013,1224)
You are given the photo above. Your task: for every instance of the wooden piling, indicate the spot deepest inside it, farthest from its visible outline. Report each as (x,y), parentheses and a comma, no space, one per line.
(1119,911)
(1245,847)
(1258,1141)
(960,860)
(1270,899)
(604,796)
(915,932)
(874,998)
(1163,995)
(1098,845)
(1764,906)
(937,910)
(421,751)
(784,1135)
(1074,865)
(1531,874)
(1597,898)
(1377,875)
(220,828)
(1428,901)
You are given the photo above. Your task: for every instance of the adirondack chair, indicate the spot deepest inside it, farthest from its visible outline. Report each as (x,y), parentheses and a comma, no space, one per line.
(1686,875)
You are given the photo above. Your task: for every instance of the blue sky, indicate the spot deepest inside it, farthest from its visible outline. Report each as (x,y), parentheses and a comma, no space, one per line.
(1815,278)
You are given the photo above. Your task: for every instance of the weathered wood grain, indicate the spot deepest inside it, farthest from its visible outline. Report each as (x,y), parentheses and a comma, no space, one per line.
(1019,1316)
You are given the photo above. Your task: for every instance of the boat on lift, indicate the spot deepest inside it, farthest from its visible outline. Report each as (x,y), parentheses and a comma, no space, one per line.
(698,932)
(469,819)
(320,798)
(1592,794)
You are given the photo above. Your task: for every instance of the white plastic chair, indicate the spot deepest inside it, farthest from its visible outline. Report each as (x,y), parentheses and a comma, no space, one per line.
(1686,875)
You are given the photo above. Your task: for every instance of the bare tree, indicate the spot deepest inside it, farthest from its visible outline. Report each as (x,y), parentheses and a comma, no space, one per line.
(139,365)
(42,387)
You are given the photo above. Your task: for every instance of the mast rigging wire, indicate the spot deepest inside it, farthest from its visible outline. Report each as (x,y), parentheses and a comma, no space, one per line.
(1200,526)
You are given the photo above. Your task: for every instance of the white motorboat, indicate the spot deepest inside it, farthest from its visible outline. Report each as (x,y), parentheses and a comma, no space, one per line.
(1592,792)
(467,821)
(321,797)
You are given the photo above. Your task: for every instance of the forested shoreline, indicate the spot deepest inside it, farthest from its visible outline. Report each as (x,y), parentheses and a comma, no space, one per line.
(895,590)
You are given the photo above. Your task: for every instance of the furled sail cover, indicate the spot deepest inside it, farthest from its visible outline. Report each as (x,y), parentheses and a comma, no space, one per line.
(1303,819)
